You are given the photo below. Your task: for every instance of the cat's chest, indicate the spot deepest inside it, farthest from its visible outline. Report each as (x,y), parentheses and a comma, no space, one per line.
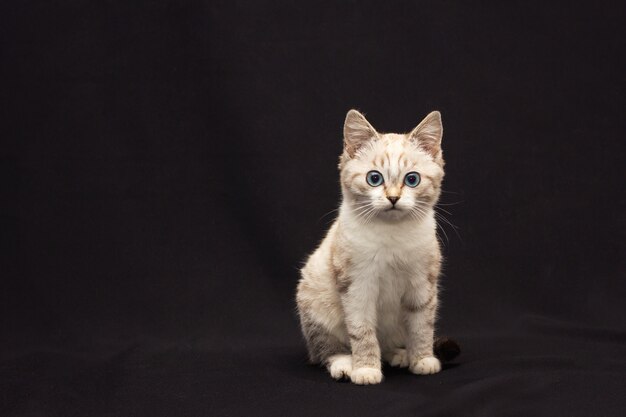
(389,257)
(390,270)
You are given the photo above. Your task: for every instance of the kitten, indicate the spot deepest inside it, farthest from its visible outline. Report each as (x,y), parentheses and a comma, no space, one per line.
(369,291)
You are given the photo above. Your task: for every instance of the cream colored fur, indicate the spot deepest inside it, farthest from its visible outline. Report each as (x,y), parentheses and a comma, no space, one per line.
(369,291)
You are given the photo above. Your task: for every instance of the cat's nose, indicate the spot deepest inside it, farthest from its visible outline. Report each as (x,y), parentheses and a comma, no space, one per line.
(393,199)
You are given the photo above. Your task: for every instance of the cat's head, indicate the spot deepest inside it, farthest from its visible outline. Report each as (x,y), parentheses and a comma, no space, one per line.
(389,176)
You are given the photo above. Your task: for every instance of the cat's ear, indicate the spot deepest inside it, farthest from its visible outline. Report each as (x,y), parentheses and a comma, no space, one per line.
(427,135)
(356,132)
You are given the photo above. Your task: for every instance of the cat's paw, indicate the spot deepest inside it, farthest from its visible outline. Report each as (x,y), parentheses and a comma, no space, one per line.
(366,376)
(340,366)
(425,366)
(399,358)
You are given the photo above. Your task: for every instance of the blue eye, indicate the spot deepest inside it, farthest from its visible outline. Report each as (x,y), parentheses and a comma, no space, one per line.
(412,179)
(374,178)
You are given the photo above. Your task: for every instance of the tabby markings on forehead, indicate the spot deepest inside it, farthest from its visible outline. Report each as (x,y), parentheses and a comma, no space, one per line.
(402,160)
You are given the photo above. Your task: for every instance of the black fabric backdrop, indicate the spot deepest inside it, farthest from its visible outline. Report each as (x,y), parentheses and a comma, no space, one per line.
(169,165)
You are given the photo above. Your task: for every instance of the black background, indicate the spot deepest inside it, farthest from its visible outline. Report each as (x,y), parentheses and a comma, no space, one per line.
(169,165)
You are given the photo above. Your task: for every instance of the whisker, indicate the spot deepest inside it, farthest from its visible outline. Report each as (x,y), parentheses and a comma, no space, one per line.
(439,215)
(332,211)
(363,212)
(439,218)
(421,207)
(359,211)
(444,210)
(444,233)
(454,227)
(371,215)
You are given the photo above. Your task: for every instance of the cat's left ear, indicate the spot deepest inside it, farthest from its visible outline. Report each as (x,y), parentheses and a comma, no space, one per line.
(427,135)
(356,132)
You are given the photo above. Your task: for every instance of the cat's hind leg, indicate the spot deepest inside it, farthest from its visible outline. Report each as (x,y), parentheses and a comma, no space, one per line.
(397,357)
(340,366)
(326,339)
(326,349)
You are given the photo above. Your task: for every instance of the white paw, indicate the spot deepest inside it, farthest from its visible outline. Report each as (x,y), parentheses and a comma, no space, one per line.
(399,358)
(366,376)
(340,366)
(426,366)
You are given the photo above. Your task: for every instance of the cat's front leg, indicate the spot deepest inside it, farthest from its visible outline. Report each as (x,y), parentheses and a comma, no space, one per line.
(419,308)
(359,303)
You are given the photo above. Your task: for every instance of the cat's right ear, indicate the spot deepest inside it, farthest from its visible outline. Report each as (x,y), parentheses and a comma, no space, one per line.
(356,132)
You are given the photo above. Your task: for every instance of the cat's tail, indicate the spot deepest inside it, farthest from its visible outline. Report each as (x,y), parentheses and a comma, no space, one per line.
(446,349)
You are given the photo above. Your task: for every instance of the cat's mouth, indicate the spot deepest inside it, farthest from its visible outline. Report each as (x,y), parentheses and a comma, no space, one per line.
(393,213)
